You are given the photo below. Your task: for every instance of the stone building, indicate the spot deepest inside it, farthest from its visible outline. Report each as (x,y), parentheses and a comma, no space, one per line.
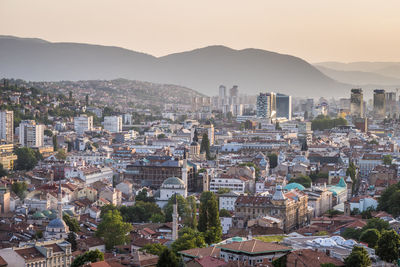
(154,170)
(54,253)
(291,207)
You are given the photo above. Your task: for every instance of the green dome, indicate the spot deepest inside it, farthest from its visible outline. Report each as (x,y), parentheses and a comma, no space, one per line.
(38,215)
(52,216)
(47,213)
(292,186)
(173,181)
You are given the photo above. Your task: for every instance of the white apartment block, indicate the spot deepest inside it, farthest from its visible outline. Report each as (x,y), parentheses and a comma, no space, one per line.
(7,126)
(31,134)
(227,201)
(113,124)
(83,123)
(234,184)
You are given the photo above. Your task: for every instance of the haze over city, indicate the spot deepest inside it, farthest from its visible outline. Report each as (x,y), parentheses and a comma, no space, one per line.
(313,30)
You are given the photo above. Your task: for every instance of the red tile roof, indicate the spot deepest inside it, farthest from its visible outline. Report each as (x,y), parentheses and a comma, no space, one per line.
(254,247)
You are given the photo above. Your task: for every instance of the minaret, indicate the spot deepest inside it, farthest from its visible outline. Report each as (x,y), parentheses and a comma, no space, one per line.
(184,170)
(59,206)
(175,221)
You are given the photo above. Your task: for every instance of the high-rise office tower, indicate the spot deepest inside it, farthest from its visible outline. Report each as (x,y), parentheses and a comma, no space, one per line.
(284,106)
(7,125)
(31,134)
(266,105)
(222,96)
(234,91)
(357,103)
(379,104)
(391,103)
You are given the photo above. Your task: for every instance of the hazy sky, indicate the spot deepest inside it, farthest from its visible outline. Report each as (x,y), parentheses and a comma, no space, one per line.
(316,30)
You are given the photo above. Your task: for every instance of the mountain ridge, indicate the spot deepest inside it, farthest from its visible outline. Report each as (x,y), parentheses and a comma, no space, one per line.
(202,69)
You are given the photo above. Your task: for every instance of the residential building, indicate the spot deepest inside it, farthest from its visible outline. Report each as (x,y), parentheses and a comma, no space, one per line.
(7,156)
(113,124)
(4,200)
(227,201)
(54,253)
(7,126)
(83,124)
(31,134)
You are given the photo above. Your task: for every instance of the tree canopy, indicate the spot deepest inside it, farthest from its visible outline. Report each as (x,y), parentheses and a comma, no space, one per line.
(188,238)
(27,158)
(390,200)
(388,246)
(358,258)
(371,237)
(113,229)
(89,256)
(303,180)
(209,222)
(167,259)
(205,145)
(19,188)
(322,122)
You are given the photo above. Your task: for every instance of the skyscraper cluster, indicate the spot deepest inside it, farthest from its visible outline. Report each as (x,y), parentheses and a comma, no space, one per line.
(230,102)
(271,106)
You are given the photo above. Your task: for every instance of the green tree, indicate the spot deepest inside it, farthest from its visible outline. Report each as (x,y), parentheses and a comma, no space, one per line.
(205,145)
(223,191)
(27,158)
(303,180)
(192,220)
(89,256)
(358,258)
(72,223)
(224,213)
(188,239)
(61,155)
(183,207)
(106,208)
(371,237)
(167,259)
(388,246)
(48,132)
(387,160)
(161,136)
(378,224)
(157,218)
(153,248)
(352,233)
(273,160)
(140,212)
(19,188)
(209,222)
(113,229)
(3,172)
(387,201)
(72,240)
(55,144)
(142,196)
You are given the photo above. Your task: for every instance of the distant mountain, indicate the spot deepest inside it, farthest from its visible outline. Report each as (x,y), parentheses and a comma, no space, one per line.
(389,69)
(203,69)
(359,78)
